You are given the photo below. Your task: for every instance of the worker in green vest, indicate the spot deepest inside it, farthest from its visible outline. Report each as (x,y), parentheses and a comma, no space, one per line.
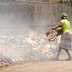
(65,42)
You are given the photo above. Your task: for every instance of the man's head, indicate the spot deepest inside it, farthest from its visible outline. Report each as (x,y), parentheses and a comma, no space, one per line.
(64,16)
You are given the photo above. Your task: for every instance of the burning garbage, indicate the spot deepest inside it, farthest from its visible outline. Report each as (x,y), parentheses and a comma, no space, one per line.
(20,49)
(4,65)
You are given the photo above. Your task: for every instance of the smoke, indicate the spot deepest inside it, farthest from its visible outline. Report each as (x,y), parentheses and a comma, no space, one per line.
(22,30)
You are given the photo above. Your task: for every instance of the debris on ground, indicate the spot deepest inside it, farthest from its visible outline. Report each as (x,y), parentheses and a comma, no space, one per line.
(18,48)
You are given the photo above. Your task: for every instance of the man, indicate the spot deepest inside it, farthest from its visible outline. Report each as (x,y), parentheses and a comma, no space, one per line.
(65,37)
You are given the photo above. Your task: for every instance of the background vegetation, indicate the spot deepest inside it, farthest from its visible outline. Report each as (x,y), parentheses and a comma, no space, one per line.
(68,2)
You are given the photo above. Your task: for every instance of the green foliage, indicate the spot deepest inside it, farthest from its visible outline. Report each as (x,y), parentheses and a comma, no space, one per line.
(68,2)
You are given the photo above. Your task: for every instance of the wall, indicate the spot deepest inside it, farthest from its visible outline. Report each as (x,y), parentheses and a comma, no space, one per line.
(31,15)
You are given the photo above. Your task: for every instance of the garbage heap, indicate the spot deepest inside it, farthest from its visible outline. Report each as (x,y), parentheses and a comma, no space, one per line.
(19,48)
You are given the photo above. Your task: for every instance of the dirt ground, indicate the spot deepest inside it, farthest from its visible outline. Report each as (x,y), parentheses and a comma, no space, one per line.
(49,66)
(45,66)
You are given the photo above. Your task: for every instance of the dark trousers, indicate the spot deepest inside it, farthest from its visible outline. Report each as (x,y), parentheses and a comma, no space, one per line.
(67,51)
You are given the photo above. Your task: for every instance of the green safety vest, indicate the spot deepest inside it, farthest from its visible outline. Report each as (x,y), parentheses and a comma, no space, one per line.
(66,26)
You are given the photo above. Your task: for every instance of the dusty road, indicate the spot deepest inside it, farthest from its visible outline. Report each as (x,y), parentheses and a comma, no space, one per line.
(45,66)
(48,66)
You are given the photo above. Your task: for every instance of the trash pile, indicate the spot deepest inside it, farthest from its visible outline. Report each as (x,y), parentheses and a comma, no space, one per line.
(18,48)
(4,65)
